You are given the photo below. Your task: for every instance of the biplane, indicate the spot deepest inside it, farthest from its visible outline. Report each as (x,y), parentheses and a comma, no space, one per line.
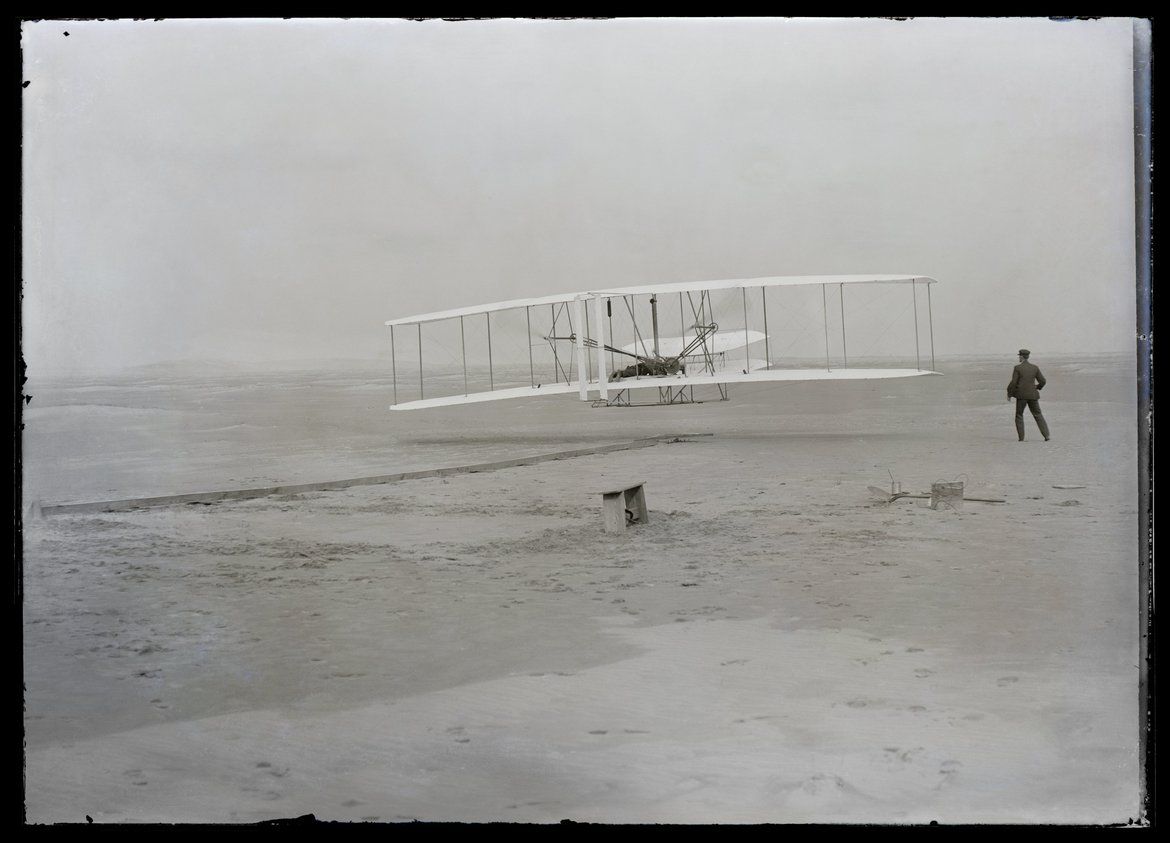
(608,345)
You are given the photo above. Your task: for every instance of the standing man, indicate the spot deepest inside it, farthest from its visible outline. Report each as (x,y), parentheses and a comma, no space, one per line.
(1027,381)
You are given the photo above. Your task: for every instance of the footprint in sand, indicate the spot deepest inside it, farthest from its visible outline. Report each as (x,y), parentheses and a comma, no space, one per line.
(904,756)
(923,672)
(948,770)
(823,785)
(1004,681)
(455,730)
(136,777)
(598,732)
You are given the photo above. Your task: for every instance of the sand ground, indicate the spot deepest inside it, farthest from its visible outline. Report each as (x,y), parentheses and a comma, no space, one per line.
(775,645)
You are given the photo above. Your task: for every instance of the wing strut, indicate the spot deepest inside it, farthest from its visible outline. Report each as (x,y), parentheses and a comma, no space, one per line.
(557,367)
(528,323)
(917,353)
(844,348)
(582,368)
(588,359)
(930,320)
(491,374)
(463,345)
(825,309)
(767,350)
(393,365)
(602,379)
(654,321)
(747,358)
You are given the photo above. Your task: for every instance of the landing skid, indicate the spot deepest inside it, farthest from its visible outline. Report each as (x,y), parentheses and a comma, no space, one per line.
(666,395)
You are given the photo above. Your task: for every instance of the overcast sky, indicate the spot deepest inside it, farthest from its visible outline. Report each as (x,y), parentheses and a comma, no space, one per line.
(264,190)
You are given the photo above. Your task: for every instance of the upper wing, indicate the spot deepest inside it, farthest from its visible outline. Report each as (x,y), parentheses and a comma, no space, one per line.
(654,289)
(768,281)
(481,309)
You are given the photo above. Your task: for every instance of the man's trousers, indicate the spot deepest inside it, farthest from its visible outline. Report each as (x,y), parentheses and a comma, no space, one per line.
(1032,404)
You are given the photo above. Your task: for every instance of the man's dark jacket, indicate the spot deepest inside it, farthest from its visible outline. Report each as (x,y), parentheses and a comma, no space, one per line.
(1027,381)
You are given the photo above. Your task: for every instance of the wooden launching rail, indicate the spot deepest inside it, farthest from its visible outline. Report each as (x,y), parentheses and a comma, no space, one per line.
(38,509)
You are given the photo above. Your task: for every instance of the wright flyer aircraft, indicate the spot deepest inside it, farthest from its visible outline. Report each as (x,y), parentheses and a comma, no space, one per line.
(666,343)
